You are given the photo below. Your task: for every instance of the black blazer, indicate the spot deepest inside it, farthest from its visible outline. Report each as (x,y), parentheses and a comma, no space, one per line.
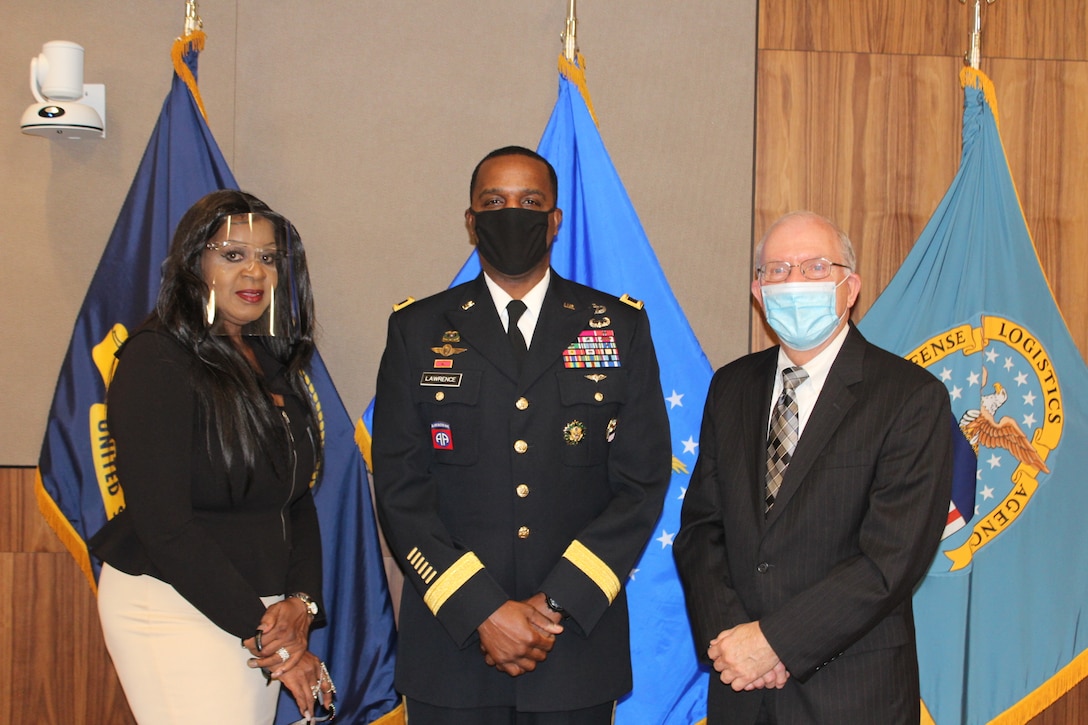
(830,572)
(188,520)
(474,522)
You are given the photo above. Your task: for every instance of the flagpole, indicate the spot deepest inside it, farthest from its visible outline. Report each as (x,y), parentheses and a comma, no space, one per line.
(570,35)
(192,18)
(974,54)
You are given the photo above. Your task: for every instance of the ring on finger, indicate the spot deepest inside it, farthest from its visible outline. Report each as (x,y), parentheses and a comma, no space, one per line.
(283,653)
(325,677)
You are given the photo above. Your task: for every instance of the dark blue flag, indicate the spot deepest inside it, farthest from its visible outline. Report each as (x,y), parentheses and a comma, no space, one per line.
(601,244)
(78,490)
(1000,614)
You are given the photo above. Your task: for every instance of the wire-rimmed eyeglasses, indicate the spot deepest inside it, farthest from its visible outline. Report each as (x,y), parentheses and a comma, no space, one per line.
(815,268)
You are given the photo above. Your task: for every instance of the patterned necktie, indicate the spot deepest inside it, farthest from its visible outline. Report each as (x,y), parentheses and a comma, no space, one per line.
(515,309)
(783,433)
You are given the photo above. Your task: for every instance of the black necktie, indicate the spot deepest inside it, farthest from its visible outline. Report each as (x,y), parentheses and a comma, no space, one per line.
(783,434)
(515,309)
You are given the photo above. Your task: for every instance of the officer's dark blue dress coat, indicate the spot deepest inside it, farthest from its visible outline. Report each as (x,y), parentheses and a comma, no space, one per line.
(495,485)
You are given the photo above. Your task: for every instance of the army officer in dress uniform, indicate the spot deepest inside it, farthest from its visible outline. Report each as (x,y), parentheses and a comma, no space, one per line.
(520,467)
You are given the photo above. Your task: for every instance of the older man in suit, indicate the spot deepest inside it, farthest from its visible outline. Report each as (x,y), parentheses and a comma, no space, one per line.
(521,458)
(816,504)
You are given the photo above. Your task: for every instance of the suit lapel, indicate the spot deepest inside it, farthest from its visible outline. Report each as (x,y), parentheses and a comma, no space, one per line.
(479,325)
(562,316)
(831,408)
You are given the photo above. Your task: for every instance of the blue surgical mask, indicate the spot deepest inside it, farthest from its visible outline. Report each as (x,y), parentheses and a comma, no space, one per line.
(802,314)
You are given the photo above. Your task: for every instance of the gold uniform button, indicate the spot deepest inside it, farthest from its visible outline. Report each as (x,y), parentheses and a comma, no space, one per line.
(522,490)
(598,396)
(521,446)
(521,404)
(523,532)
(439,395)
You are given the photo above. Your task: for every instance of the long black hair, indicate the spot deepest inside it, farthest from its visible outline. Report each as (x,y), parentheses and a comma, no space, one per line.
(231,392)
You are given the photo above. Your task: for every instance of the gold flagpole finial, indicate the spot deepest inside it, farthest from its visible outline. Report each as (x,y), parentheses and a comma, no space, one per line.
(192,18)
(974,53)
(570,35)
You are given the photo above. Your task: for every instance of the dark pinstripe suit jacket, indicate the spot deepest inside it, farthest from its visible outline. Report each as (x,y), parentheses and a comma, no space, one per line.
(830,572)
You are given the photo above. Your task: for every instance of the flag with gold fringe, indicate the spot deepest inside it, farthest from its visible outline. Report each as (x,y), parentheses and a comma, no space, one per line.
(999,615)
(601,243)
(77,486)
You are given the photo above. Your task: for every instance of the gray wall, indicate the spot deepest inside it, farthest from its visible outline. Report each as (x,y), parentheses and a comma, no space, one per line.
(361,121)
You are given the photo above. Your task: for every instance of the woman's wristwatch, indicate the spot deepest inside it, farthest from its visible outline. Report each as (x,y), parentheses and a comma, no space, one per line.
(311,605)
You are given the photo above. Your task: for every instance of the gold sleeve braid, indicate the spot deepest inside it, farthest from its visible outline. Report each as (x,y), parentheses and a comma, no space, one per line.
(451,580)
(593,567)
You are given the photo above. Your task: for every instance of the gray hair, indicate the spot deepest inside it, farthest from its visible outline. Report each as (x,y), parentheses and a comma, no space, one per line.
(846,247)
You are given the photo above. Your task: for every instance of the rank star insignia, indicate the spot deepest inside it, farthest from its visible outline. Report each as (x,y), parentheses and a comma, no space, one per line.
(574,432)
(448,350)
(451,336)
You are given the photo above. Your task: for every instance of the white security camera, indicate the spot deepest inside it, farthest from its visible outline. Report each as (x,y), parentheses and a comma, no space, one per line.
(66,107)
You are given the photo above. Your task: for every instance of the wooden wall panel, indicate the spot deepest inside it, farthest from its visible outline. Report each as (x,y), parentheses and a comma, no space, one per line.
(912,27)
(871,141)
(54,667)
(1010,28)
(1043,106)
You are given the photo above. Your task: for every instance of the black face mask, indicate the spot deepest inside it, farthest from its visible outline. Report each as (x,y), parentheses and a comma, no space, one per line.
(512,240)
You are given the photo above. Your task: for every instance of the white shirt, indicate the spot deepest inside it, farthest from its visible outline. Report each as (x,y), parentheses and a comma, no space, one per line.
(809,391)
(533,299)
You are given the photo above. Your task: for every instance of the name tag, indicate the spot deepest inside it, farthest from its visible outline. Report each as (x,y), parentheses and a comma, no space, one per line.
(442,380)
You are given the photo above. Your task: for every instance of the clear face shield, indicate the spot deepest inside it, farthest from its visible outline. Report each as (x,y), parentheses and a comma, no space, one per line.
(250,278)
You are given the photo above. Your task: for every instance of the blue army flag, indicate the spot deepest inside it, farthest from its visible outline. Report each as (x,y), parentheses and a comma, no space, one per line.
(601,244)
(77,486)
(1000,612)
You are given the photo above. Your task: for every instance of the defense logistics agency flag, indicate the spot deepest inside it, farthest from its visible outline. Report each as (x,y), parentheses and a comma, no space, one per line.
(1001,613)
(78,490)
(601,244)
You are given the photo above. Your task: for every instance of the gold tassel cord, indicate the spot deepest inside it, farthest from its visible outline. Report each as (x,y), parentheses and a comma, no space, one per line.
(978,79)
(192,41)
(576,74)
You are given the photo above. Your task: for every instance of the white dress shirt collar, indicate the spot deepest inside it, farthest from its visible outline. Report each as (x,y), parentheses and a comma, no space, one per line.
(533,299)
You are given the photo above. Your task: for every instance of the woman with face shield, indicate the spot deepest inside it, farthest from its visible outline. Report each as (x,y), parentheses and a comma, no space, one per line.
(211,576)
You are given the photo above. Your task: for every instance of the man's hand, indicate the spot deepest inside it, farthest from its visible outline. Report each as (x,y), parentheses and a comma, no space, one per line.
(516,637)
(746,660)
(775,679)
